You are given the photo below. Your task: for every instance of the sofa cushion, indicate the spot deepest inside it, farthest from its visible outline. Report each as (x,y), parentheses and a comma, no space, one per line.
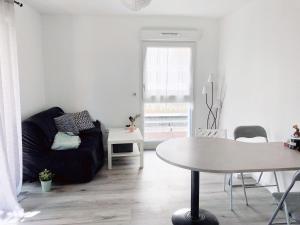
(66,123)
(83,120)
(79,165)
(65,141)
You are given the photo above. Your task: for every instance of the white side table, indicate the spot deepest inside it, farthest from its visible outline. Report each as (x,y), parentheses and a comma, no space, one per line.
(123,136)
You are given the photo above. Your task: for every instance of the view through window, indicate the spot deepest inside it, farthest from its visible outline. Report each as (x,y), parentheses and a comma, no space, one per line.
(167,91)
(165,120)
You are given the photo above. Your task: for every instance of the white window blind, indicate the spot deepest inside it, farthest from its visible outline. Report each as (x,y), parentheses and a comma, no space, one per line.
(168,74)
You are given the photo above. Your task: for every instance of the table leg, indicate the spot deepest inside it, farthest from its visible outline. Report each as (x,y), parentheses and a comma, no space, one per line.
(195,195)
(194,216)
(109,156)
(141,149)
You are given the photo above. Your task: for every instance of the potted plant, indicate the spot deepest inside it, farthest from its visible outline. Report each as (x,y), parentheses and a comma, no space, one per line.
(46,177)
(132,120)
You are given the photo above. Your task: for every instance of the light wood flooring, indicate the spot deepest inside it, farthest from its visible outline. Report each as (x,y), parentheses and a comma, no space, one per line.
(126,195)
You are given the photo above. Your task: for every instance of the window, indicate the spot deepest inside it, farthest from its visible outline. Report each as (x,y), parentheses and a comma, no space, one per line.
(168,90)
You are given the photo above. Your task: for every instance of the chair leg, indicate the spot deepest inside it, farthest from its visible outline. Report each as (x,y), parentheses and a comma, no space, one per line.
(260,176)
(274,214)
(286,212)
(244,188)
(282,202)
(276,181)
(225,181)
(231,192)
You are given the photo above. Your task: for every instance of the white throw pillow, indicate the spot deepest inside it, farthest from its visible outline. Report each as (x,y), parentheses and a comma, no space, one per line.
(65,141)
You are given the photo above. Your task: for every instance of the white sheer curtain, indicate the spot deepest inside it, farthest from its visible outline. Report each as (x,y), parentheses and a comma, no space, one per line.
(10,120)
(167,74)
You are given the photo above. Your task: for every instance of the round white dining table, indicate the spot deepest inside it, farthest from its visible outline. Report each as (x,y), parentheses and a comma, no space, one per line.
(221,156)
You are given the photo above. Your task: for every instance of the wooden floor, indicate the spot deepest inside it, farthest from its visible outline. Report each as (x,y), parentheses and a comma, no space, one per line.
(126,195)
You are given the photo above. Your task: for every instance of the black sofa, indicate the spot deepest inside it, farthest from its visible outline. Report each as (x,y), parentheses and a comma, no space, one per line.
(71,166)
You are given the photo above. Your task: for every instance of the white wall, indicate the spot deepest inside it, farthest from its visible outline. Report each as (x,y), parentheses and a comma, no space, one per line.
(94,62)
(259,58)
(30,56)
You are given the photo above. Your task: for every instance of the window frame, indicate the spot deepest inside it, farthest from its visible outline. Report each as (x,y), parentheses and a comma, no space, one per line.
(190,44)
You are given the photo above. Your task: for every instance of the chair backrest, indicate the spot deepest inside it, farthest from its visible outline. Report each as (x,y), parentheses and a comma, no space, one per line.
(297,176)
(212,133)
(295,179)
(250,132)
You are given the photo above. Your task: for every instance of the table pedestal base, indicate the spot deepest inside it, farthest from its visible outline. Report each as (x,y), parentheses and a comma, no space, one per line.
(183,217)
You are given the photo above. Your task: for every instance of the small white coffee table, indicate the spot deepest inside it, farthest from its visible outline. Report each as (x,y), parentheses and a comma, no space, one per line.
(124,136)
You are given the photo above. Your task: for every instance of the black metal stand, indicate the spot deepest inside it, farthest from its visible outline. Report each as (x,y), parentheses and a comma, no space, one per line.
(211,112)
(18,3)
(194,216)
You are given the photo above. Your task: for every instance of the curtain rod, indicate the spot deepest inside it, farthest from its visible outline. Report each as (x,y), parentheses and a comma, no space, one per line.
(19,3)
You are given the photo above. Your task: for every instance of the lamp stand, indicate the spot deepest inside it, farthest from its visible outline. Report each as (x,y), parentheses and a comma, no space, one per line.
(210,105)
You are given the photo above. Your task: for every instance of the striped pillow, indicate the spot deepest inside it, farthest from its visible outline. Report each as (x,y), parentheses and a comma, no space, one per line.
(66,123)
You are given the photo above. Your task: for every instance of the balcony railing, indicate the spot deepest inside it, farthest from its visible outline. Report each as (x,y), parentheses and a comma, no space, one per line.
(163,126)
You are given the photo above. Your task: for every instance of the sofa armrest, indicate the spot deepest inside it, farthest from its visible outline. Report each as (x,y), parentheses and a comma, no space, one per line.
(97,123)
(96,129)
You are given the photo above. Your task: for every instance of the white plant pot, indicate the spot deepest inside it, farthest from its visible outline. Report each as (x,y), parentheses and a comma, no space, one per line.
(46,185)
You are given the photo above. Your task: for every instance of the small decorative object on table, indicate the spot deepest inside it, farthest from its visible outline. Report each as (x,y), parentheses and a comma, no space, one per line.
(297,132)
(46,177)
(132,120)
(294,141)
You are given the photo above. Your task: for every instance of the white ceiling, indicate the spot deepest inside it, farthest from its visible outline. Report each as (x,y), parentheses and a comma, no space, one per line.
(203,8)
